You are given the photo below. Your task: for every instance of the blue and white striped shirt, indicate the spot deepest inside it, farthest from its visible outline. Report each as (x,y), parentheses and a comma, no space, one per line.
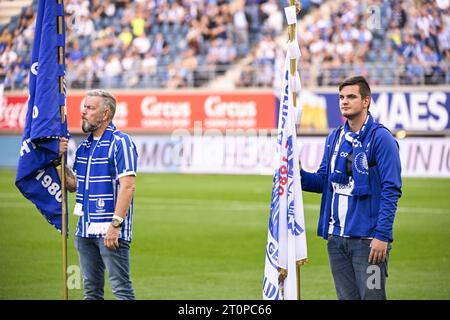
(99,164)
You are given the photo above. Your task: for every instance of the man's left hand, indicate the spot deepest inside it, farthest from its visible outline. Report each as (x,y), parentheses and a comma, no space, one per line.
(111,240)
(378,251)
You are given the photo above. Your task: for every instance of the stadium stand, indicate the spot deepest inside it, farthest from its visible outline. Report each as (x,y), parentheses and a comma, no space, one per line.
(390,42)
(139,44)
(188,43)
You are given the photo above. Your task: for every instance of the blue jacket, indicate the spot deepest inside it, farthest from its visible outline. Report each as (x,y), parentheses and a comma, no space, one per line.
(374,214)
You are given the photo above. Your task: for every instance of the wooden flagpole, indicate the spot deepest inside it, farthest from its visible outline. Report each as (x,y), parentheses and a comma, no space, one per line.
(63,173)
(292,28)
(293,70)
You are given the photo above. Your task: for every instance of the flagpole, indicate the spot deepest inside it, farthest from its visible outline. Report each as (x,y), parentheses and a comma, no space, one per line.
(292,34)
(63,173)
(293,71)
(293,68)
(64,222)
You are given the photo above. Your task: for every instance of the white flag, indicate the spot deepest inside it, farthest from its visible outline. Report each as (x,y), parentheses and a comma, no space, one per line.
(286,239)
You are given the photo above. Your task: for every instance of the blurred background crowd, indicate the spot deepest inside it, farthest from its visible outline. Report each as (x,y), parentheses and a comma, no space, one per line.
(190,43)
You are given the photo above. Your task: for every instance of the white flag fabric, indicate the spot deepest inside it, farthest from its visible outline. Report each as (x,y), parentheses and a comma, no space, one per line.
(286,238)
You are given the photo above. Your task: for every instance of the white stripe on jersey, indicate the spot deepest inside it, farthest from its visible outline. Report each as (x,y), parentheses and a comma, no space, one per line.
(125,154)
(342,211)
(132,158)
(101,195)
(99,162)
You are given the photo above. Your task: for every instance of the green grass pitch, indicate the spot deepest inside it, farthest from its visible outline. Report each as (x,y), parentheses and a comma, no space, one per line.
(204,237)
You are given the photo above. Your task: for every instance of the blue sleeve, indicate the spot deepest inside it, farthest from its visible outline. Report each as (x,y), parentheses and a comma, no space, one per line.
(387,157)
(314,181)
(125,156)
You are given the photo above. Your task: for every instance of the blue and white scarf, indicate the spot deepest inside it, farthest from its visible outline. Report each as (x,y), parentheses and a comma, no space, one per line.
(95,198)
(354,143)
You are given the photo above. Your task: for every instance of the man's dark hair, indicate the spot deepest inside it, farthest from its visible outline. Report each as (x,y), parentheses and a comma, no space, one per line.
(360,81)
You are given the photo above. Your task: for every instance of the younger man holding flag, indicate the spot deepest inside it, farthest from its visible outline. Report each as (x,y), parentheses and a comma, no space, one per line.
(360,182)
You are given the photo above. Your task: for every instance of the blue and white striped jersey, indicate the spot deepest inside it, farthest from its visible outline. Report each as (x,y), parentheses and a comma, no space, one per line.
(342,196)
(99,165)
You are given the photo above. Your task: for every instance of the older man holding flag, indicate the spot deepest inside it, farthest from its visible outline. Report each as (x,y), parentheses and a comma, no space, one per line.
(286,240)
(37,177)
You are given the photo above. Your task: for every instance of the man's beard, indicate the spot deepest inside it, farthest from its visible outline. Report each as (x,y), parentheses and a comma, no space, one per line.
(89,127)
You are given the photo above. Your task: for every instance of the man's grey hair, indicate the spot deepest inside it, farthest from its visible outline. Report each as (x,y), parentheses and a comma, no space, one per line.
(108,100)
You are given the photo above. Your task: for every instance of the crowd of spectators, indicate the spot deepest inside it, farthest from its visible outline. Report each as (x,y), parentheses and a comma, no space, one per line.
(141,43)
(186,43)
(391,42)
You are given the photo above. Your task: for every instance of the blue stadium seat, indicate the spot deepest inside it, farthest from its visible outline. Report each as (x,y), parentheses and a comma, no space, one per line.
(13,23)
(154,29)
(184,29)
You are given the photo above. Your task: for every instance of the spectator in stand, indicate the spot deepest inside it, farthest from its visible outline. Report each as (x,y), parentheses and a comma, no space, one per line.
(6,38)
(126,37)
(398,15)
(226,55)
(183,70)
(274,21)
(148,69)
(158,44)
(138,24)
(75,52)
(240,24)
(443,37)
(130,68)
(112,73)
(212,58)
(246,76)
(85,26)
(141,44)
(8,57)
(414,71)
(194,36)
(94,65)
(430,61)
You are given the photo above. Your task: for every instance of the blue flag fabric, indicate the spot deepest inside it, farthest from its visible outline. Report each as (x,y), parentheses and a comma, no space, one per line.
(36,176)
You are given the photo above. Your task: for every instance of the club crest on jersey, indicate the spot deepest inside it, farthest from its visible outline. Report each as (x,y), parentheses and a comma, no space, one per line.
(361,163)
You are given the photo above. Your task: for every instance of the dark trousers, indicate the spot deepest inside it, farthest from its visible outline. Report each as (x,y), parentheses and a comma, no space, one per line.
(354,277)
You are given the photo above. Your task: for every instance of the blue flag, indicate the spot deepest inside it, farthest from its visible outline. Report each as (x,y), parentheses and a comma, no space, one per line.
(36,177)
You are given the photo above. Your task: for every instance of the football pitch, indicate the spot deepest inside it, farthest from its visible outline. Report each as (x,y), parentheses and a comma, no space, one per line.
(204,237)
